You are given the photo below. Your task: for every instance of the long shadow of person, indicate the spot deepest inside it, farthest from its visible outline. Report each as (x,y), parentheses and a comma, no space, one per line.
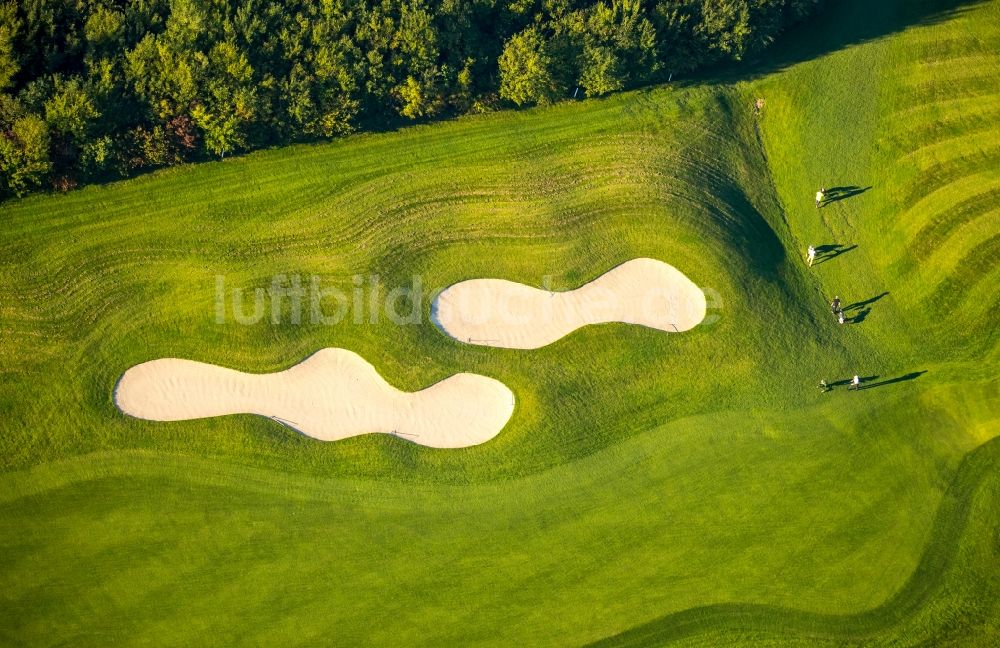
(848,381)
(830,251)
(860,316)
(833,194)
(866,302)
(913,375)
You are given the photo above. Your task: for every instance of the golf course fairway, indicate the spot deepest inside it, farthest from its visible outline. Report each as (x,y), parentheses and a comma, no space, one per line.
(649,488)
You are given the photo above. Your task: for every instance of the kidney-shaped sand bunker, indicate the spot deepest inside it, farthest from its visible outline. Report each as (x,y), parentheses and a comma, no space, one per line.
(333,394)
(500,313)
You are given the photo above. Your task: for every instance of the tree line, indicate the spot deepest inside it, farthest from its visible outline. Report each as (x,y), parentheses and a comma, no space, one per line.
(98,89)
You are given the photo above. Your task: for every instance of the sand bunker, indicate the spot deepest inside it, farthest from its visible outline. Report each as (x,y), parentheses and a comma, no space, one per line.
(333,394)
(499,313)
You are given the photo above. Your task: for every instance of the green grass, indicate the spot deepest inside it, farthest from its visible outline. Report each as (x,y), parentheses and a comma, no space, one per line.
(649,487)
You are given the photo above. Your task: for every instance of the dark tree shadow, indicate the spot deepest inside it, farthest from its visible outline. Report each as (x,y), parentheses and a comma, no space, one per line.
(913,375)
(867,302)
(833,27)
(834,194)
(831,251)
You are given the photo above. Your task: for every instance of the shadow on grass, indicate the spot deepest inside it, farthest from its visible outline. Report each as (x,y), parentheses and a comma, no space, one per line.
(867,302)
(842,193)
(859,316)
(847,381)
(866,381)
(831,251)
(913,375)
(833,27)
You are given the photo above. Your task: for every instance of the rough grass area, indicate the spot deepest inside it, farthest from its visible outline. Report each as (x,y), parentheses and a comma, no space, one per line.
(649,488)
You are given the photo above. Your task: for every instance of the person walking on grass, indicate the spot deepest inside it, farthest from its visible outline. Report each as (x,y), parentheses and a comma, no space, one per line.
(840,317)
(856,382)
(823,387)
(812,255)
(820,195)
(835,305)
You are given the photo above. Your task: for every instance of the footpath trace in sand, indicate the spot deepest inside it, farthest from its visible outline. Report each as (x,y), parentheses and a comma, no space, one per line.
(333,394)
(499,313)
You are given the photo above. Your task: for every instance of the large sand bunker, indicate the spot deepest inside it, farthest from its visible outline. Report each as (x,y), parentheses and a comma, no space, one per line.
(499,313)
(333,394)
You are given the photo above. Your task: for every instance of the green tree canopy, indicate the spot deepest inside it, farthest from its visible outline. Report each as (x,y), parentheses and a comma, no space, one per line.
(527,72)
(128,85)
(24,155)
(8,30)
(70,110)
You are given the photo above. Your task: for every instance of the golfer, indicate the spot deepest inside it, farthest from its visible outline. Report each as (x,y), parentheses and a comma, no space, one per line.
(820,195)
(812,255)
(835,305)
(856,382)
(840,316)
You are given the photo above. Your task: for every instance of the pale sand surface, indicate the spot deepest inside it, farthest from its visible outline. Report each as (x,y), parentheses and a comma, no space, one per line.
(500,313)
(333,394)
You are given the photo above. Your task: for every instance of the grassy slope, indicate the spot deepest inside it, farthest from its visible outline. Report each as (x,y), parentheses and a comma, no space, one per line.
(642,475)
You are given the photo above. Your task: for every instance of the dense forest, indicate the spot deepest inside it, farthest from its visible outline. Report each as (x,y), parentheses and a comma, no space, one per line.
(97,89)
